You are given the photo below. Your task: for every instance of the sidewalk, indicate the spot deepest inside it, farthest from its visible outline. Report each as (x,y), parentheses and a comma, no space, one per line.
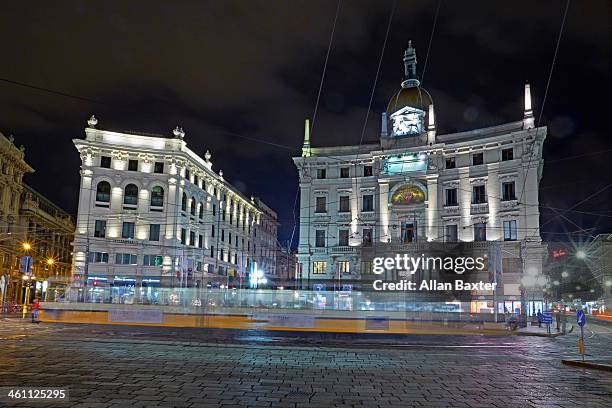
(541,331)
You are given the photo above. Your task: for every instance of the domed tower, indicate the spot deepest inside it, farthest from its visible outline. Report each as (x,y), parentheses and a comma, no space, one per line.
(410,111)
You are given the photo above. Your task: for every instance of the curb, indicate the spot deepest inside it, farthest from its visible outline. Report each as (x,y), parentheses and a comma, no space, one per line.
(588,364)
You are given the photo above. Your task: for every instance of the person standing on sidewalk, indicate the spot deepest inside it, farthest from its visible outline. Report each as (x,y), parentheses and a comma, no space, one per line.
(35,307)
(539,318)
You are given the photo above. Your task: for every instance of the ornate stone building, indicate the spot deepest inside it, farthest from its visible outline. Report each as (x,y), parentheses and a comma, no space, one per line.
(416,189)
(152,213)
(30,225)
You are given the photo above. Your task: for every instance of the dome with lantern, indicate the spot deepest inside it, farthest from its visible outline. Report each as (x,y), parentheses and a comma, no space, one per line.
(409,108)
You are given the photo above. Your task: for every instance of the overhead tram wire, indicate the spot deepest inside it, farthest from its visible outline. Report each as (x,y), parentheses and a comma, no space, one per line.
(550,72)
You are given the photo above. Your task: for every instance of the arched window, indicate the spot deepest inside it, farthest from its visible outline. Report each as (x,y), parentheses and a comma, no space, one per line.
(157,197)
(184,202)
(103,191)
(193,206)
(201,214)
(130,194)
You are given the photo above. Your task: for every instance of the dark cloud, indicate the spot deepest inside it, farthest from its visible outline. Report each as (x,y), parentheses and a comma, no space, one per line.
(253,68)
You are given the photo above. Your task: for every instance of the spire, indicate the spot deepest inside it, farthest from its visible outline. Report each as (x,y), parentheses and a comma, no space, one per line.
(306,145)
(528,119)
(410,63)
(431,126)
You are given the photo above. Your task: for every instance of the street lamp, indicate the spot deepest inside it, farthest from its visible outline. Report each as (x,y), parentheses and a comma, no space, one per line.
(580,254)
(26,246)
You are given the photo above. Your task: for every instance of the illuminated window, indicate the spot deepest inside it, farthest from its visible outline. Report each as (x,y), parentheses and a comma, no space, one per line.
(319,267)
(103,192)
(152,260)
(366,267)
(344,267)
(157,197)
(98,257)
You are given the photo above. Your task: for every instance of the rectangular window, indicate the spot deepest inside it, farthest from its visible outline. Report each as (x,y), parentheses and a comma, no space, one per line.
(449,163)
(152,260)
(183,235)
(344,267)
(319,267)
(100,229)
(154,232)
(213,231)
(105,161)
(343,237)
(192,238)
(367,237)
(480,232)
(127,230)
(98,257)
(159,167)
(367,171)
(126,259)
(344,204)
(508,191)
(451,196)
(507,154)
(222,235)
(132,165)
(368,203)
(321,205)
(477,159)
(366,267)
(187,174)
(450,233)
(320,239)
(200,241)
(344,172)
(321,173)
(479,195)
(212,251)
(510,230)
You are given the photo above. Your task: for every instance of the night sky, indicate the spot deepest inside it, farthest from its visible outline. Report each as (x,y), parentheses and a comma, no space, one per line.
(241,76)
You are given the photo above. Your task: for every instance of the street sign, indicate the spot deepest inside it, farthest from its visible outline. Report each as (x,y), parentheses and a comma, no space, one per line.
(580,318)
(25,264)
(547,317)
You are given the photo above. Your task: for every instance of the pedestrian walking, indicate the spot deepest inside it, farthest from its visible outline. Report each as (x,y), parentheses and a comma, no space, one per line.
(539,318)
(35,307)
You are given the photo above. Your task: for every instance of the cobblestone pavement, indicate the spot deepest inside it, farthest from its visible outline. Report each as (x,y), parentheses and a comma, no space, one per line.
(103,366)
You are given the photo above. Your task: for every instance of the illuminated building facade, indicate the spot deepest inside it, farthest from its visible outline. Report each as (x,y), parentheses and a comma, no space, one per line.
(416,189)
(154,213)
